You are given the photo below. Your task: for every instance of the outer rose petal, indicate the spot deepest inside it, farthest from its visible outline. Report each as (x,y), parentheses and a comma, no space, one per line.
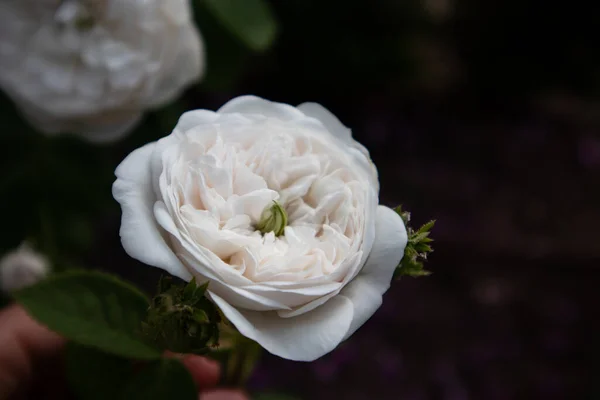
(302,338)
(331,122)
(344,134)
(256,105)
(374,280)
(192,119)
(140,235)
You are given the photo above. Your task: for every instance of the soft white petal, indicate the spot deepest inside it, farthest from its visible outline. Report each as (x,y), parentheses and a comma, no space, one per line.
(388,248)
(140,235)
(203,269)
(343,133)
(256,105)
(294,297)
(374,280)
(238,297)
(331,122)
(303,338)
(192,119)
(366,298)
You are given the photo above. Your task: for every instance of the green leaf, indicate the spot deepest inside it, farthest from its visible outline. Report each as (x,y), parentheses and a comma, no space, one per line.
(228,56)
(251,21)
(94,375)
(163,379)
(93,309)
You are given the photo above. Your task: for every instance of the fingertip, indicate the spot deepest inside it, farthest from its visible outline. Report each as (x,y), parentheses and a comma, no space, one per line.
(223,395)
(205,372)
(33,337)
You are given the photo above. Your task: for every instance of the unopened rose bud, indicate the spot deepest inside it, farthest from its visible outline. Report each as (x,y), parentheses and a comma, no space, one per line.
(273,219)
(22,267)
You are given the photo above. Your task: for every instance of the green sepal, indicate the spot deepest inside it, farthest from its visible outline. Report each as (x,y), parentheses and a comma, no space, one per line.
(417,248)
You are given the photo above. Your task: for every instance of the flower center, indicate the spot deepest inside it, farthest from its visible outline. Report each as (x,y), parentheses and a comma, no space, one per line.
(273,219)
(273,207)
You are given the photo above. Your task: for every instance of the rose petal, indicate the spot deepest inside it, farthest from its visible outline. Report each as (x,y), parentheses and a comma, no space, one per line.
(366,298)
(256,105)
(294,297)
(331,122)
(200,266)
(191,119)
(140,235)
(340,131)
(367,245)
(237,296)
(374,280)
(303,338)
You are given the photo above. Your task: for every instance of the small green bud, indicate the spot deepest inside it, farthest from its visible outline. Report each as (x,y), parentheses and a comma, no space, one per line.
(273,219)
(182,319)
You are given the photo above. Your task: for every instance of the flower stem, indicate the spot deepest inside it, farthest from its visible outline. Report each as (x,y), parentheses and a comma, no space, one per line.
(240,361)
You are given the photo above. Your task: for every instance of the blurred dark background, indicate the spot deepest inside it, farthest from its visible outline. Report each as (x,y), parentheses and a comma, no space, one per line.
(482,115)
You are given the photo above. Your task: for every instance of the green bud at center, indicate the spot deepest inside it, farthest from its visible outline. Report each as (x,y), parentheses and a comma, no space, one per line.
(273,219)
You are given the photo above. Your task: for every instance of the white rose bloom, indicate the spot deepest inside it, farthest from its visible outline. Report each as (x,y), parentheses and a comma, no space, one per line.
(93,67)
(192,201)
(21,268)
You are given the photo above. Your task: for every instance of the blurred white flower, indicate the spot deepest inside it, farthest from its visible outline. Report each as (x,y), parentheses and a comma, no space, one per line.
(92,67)
(21,268)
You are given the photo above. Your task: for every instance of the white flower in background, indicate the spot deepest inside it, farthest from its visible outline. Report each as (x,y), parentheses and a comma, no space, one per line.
(93,67)
(208,200)
(21,268)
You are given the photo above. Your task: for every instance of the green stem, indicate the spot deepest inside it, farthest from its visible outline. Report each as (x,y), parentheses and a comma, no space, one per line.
(240,363)
(236,378)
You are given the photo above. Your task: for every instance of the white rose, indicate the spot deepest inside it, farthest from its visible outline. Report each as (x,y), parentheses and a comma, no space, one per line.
(21,268)
(93,67)
(191,203)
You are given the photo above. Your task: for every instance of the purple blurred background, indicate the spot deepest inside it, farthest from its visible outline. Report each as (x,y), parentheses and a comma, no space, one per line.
(485,118)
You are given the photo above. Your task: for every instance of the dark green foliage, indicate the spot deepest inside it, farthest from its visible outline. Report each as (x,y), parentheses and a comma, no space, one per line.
(163,379)
(94,375)
(251,21)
